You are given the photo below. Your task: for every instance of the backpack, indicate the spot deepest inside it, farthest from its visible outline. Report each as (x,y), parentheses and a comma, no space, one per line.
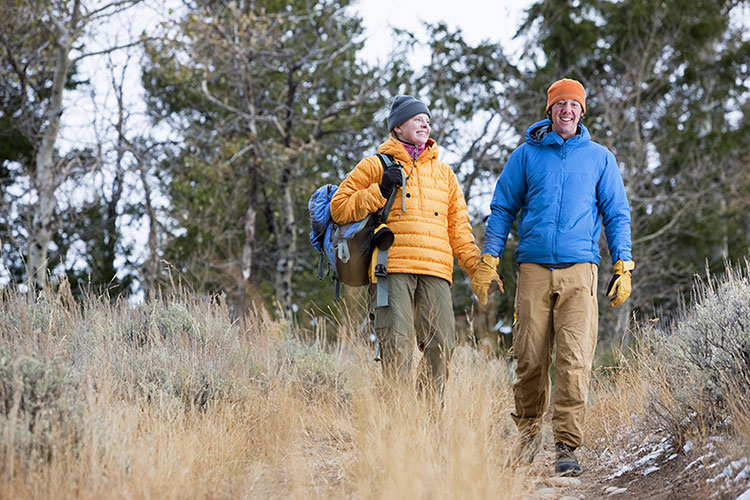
(347,250)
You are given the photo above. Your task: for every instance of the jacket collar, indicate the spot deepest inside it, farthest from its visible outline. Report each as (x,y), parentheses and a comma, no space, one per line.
(541,134)
(394,148)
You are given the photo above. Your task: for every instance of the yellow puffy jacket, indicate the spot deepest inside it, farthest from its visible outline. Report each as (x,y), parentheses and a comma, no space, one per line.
(435,227)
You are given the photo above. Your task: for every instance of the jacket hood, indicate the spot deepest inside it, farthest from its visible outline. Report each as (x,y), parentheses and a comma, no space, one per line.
(541,134)
(394,148)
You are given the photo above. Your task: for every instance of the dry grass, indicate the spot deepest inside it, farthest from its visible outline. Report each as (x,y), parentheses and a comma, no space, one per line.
(176,401)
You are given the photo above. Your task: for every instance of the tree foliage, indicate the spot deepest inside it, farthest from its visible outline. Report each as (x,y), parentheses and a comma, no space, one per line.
(270,99)
(42,44)
(266,100)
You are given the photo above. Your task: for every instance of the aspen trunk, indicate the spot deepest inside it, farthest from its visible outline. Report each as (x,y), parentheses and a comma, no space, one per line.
(248,247)
(151,267)
(287,244)
(45,180)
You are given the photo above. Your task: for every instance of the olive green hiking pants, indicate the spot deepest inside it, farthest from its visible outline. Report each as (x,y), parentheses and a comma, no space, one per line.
(555,308)
(419,308)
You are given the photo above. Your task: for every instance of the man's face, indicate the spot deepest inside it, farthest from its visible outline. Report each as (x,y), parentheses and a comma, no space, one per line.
(565,115)
(415,130)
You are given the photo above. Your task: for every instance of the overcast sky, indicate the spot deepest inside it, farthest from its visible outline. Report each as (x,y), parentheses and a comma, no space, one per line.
(479,20)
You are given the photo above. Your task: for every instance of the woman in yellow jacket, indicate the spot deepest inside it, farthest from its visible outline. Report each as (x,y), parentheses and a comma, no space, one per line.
(431,226)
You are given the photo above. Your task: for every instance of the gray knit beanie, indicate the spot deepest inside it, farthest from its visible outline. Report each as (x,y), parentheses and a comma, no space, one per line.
(403,108)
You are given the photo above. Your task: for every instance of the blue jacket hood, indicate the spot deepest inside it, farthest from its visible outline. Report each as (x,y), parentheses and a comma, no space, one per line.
(541,134)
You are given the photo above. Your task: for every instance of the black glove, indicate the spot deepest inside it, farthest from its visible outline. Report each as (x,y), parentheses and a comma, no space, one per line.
(391,180)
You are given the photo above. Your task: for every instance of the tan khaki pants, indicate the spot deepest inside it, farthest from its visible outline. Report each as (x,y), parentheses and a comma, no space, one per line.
(554,308)
(419,307)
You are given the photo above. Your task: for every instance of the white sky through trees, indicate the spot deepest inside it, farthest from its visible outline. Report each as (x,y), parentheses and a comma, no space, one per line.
(479,20)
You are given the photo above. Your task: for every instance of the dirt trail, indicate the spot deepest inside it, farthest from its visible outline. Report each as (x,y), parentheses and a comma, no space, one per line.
(594,483)
(667,475)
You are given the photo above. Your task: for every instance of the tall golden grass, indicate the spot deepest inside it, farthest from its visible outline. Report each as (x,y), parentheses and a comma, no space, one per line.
(173,399)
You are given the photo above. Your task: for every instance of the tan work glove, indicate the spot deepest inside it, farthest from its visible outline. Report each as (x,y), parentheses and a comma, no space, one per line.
(619,286)
(485,277)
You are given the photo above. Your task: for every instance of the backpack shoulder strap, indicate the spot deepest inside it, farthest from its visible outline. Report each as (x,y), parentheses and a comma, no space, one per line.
(388,161)
(381,264)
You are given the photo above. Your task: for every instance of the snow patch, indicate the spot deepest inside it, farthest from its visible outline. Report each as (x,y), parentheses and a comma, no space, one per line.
(649,461)
(651,469)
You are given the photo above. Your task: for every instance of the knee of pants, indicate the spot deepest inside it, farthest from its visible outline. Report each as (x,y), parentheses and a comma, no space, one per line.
(437,343)
(391,340)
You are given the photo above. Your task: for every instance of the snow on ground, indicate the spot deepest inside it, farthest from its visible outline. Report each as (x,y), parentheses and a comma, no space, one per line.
(643,459)
(697,462)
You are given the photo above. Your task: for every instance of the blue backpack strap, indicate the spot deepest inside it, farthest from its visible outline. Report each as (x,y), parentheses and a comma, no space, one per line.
(388,161)
(381,264)
(381,271)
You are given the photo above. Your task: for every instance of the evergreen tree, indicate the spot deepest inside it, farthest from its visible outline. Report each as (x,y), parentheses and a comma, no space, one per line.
(270,100)
(42,45)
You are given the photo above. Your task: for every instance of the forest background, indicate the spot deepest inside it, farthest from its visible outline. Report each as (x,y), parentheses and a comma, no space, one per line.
(251,105)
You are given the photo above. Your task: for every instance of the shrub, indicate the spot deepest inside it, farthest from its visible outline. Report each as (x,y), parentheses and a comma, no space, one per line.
(166,385)
(708,346)
(160,322)
(40,407)
(316,372)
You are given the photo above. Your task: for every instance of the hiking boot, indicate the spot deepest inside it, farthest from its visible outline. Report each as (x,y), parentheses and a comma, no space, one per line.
(531,444)
(566,463)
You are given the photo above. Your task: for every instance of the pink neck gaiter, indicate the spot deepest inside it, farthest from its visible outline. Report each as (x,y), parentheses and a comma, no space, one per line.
(414,151)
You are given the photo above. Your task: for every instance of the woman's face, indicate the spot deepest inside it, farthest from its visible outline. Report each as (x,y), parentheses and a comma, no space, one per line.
(415,130)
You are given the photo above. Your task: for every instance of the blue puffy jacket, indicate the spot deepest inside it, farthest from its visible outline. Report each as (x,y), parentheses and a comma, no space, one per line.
(561,188)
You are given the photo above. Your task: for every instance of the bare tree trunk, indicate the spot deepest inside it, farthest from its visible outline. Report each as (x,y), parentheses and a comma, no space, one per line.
(287,244)
(45,179)
(287,241)
(151,267)
(246,263)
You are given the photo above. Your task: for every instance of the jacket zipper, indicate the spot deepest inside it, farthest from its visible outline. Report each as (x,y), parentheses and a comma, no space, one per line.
(559,201)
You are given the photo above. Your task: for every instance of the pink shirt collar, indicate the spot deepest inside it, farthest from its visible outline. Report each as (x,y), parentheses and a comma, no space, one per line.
(414,151)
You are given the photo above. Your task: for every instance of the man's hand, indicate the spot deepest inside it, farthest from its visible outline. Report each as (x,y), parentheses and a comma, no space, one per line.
(391,180)
(485,276)
(619,286)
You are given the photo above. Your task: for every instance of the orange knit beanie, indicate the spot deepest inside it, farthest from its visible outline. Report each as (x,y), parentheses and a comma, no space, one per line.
(566,89)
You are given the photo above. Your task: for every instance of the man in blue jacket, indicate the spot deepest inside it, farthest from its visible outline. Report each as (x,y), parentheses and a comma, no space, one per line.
(563,187)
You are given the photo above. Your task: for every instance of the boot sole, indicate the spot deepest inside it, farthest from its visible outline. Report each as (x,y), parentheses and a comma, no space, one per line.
(569,472)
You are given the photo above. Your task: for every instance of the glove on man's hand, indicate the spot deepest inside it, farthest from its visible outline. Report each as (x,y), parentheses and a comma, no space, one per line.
(485,276)
(619,286)
(391,180)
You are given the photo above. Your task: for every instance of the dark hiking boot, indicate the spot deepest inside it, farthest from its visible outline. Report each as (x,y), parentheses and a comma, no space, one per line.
(566,463)
(531,444)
